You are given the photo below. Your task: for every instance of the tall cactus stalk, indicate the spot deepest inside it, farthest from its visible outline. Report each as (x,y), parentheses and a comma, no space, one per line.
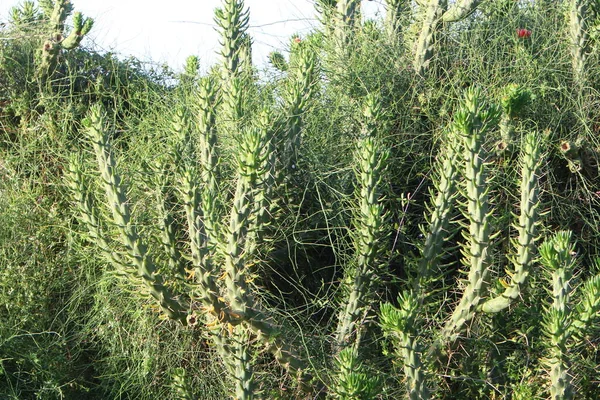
(579,18)
(353,380)
(460,10)
(474,119)
(587,311)
(346,16)
(513,101)
(209,167)
(369,224)
(527,226)
(394,10)
(232,20)
(88,215)
(300,88)
(59,40)
(435,14)
(119,206)
(439,212)
(556,256)
(423,50)
(402,326)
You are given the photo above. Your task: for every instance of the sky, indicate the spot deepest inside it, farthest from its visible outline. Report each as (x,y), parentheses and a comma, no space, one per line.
(170,31)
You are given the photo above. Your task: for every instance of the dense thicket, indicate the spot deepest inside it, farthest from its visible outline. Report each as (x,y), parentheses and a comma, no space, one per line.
(404,207)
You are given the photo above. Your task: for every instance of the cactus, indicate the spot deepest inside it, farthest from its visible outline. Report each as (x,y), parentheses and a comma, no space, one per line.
(209,173)
(232,20)
(354,382)
(440,211)
(137,250)
(436,13)
(513,101)
(59,41)
(527,227)
(580,15)
(402,326)
(88,214)
(395,8)
(299,89)
(278,61)
(460,10)
(346,16)
(423,49)
(556,257)
(369,223)
(473,120)
(587,311)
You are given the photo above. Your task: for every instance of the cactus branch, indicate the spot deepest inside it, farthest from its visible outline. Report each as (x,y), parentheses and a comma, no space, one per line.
(119,206)
(527,226)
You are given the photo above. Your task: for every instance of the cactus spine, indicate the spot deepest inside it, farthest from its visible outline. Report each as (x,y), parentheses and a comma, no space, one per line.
(346,16)
(354,382)
(423,50)
(300,89)
(587,311)
(440,213)
(233,19)
(513,101)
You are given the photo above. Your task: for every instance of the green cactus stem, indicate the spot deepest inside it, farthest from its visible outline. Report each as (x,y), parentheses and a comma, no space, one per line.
(278,61)
(394,8)
(423,49)
(401,326)
(513,101)
(346,16)
(370,229)
(436,14)
(354,381)
(557,257)
(209,165)
(232,19)
(473,120)
(527,227)
(460,10)
(587,311)
(168,234)
(579,19)
(119,206)
(439,212)
(83,200)
(59,41)
(299,90)
(243,374)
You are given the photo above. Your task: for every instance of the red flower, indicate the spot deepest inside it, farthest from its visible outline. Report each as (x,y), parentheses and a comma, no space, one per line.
(523,33)
(297,40)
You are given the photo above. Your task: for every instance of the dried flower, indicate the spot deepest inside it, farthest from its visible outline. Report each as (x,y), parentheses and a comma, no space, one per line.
(523,33)
(192,319)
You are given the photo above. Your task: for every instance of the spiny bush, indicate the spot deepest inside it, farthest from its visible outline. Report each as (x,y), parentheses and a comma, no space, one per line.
(365,224)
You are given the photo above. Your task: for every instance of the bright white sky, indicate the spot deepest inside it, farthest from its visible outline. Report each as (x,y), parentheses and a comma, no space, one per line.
(170,31)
